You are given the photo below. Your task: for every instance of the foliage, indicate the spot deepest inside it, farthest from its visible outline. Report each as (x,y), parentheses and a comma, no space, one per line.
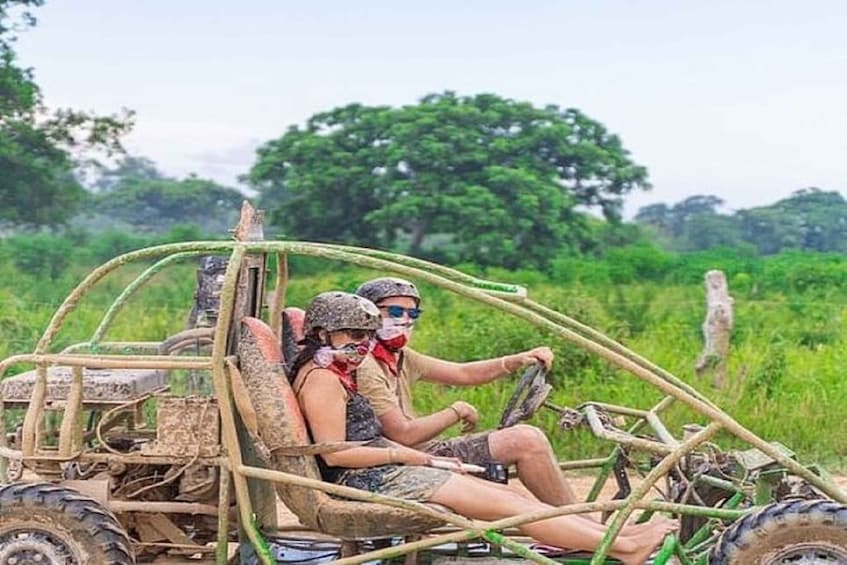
(498,180)
(127,166)
(809,220)
(39,148)
(41,255)
(153,203)
(788,347)
(773,368)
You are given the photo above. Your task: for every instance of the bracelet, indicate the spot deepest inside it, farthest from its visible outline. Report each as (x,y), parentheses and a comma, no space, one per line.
(390,455)
(458,414)
(503,364)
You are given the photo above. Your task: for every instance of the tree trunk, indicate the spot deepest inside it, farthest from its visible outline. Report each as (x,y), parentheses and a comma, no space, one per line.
(717,329)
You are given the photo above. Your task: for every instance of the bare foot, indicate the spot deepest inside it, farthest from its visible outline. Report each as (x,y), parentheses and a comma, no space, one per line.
(655,521)
(646,543)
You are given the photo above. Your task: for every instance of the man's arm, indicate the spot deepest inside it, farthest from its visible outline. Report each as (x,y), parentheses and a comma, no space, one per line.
(481,372)
(414,431)
(397,425)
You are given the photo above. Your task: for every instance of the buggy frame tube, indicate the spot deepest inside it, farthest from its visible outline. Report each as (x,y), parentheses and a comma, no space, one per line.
(131,288)
(533,306)
(641,490)
(527,310)
(278,295)
(222,545)
(475,528)
(222,390)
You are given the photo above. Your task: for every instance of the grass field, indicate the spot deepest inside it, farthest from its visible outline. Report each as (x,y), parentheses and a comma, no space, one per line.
(786,369)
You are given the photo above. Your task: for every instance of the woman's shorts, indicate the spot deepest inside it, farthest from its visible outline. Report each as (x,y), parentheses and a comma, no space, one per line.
(410,482)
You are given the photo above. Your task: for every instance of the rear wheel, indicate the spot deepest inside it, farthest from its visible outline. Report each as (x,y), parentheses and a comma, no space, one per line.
(800,532)
(46,523)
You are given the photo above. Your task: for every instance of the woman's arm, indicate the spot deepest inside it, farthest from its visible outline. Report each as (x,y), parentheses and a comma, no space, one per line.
(412,431)
(324,404)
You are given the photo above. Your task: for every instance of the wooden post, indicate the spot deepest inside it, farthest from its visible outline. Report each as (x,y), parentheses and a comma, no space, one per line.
(717,329)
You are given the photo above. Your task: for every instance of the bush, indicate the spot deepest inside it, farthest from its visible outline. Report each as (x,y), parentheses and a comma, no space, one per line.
(568,269)
(41,255)
(638,263)
(805,271)
(109,244)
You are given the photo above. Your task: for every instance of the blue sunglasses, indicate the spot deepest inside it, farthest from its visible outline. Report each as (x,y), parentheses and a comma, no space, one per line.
(398,311)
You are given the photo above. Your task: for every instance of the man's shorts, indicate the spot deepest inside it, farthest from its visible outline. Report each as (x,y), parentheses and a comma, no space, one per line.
(470,448)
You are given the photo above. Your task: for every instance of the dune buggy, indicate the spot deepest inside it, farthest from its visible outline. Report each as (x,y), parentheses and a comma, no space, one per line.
(91,476)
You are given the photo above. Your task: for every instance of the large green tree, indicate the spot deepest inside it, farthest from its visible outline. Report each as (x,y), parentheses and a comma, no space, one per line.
(496,180)
(40,148)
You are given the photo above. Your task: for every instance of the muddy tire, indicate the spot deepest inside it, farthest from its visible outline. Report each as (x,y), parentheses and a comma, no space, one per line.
(46,523)
(800,531)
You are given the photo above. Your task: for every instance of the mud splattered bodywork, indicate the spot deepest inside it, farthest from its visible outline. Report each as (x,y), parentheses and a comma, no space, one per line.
(101,387)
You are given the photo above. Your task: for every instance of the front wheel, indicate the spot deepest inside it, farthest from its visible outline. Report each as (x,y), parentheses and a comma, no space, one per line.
(798,532)
(50,524)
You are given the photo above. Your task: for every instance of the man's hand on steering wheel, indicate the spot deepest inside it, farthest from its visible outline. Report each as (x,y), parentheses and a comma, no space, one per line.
(529,395)
(543,355)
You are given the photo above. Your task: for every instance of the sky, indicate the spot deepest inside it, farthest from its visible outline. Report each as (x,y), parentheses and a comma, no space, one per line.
(743,100)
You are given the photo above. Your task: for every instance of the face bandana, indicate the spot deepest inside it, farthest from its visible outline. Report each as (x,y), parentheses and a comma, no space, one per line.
(343,360)
(394,335)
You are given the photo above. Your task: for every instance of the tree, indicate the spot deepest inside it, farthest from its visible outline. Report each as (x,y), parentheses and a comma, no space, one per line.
(157,204)
(128,166)
(707,231)
(38,147)
(810,219)
(499,180)
(693,224)
(657,215)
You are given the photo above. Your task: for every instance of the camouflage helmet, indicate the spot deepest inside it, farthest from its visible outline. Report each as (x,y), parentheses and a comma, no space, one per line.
(337,310)
(378,290)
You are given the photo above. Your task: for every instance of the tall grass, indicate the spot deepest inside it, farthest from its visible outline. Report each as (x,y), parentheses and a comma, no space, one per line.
(786,370)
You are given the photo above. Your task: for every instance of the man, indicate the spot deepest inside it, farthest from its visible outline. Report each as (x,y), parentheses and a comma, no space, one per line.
(386,378)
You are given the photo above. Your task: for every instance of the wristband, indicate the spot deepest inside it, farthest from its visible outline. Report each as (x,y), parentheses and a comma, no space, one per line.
(458,414)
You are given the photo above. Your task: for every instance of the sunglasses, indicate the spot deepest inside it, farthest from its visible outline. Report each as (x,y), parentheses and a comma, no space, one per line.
(398,311)
(360,335)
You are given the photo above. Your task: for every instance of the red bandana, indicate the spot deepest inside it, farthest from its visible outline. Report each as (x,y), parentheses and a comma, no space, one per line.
(347,379)
(388,357)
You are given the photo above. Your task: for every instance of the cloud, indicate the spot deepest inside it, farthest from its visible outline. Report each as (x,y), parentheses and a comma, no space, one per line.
(215,150)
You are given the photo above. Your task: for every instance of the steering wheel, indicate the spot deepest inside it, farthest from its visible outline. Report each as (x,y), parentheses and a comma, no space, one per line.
(529,395)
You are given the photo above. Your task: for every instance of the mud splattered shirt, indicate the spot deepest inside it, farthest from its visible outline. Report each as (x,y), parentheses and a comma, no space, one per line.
(384,390)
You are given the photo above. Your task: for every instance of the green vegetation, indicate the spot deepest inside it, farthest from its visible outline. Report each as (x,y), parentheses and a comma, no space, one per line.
(135,195)
(811,220)
(39,147)
(788,345)
(487,179)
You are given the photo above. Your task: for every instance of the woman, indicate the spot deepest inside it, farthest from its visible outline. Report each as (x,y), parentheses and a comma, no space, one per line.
(339,329)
